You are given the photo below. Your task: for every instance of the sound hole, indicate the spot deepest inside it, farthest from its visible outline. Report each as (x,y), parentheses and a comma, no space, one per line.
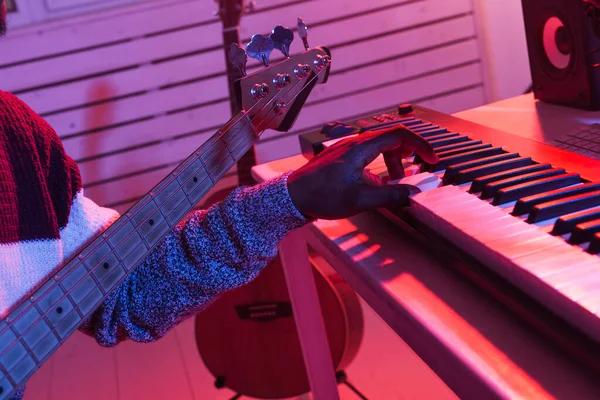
(558,43)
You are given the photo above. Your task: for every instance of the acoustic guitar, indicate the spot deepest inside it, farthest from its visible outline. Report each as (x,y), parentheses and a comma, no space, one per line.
(230,13)
(248,340)
(33,329)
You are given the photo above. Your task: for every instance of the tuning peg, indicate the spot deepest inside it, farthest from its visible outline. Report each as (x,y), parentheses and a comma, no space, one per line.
(260,47)
(303,32)
(282,39)
(238,58)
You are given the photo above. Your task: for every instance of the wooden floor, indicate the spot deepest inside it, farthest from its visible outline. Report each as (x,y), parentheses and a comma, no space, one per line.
(385,368)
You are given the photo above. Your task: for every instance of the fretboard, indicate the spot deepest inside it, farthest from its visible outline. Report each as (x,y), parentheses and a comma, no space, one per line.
(41,323)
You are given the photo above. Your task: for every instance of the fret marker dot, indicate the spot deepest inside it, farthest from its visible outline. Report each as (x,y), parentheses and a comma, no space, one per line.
(59,310)
(195,179)
(151,222)
(105,265)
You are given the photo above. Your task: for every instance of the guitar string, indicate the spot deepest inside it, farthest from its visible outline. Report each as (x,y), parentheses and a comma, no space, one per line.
(10,323)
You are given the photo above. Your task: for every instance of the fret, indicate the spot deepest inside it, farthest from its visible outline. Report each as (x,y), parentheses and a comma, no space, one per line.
(15,351)
(196,188)
(152,237)
(218,163)
(194,172)
(179,211)
(55,310)
(241,144)
(164,189)
(6,337)
(68,323)
(135,257)
(96,254)
(30,324)
(88,300)
(128,243)
(119,235)
(108,274)
(172,201)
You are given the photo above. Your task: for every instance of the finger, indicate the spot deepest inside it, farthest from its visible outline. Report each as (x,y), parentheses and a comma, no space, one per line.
(374,143)
(371,197)
(413,142)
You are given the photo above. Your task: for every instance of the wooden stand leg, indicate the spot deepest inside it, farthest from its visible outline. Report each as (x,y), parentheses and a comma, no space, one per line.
(307,314)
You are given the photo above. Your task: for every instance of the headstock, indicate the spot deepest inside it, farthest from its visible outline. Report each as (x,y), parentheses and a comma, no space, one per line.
(273,96)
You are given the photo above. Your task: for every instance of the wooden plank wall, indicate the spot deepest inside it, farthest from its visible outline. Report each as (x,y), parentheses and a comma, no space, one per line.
(132,93)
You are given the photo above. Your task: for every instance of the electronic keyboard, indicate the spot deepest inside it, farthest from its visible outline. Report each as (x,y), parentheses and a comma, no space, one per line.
(521,217)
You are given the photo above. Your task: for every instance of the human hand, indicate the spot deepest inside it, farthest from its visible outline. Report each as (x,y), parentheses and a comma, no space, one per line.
(331,185)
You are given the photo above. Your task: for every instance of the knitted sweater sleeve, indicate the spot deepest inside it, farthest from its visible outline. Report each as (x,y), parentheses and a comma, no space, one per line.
(212,251)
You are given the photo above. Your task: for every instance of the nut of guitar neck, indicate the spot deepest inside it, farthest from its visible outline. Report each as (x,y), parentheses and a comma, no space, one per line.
(259,91)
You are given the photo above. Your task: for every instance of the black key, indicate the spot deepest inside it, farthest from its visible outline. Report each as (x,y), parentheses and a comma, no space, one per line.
(584,232)
(461,158)
(443,136)
(516,192)
(432,132)
(566,223)
(419,160)
(453,171)
(468,175)
(479,183)
(566,205)
(425,128)
(491,189)
(525,205)
(445,142)
(448,153)
(457,146)
(594,244)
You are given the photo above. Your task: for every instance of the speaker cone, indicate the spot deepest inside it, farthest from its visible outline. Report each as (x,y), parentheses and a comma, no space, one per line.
(557,43)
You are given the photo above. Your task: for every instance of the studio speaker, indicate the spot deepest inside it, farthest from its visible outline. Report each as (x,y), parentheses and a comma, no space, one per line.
(563,41)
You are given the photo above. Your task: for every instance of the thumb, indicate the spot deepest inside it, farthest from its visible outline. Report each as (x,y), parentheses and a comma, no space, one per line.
(372,197)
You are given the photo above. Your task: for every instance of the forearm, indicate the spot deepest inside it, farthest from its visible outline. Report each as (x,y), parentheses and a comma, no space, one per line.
(213,251)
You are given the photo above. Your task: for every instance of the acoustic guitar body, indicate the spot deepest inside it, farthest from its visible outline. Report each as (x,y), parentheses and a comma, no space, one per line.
(248,339)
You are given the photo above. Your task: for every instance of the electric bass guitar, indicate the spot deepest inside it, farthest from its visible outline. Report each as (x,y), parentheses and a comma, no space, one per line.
(270,98)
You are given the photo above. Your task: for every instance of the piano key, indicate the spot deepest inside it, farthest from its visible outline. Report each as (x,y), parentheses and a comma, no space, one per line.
(419,160)
(564,206)
(468,175)
(431,132)
(478,184)
(516,192)
(443,136)
(525,205)
(550,264)
(444,142)
(457,146)
(460,158)
(491,189)
(566,223)
(448,153)
(452,171)
(584,232)
(594,247)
